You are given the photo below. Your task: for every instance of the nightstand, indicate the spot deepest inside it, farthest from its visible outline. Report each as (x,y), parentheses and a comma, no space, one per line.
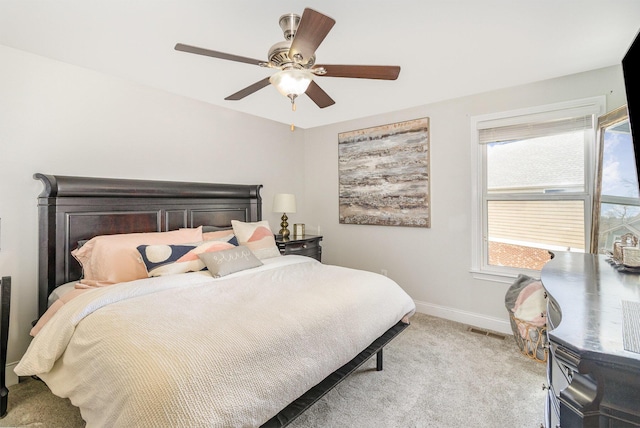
(305,245)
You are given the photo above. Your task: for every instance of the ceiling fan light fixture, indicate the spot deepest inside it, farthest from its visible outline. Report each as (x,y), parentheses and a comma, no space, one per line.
(296,59)
(292,82)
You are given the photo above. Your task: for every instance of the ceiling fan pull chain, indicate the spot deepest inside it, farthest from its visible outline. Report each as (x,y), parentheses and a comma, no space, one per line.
(293,109)
(292,97)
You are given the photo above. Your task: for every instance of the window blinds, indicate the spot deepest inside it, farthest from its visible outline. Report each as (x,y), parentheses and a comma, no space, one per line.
(523,131)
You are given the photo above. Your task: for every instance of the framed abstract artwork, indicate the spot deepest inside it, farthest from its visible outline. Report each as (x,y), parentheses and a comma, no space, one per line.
(384,175)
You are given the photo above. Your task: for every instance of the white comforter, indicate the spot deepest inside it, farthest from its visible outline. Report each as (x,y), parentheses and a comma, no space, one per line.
(206,352)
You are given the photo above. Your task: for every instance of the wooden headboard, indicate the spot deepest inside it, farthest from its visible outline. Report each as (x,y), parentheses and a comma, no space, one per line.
(72,209)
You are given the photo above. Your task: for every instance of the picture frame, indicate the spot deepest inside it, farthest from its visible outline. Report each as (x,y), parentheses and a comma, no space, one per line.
(298,229)
(384,176)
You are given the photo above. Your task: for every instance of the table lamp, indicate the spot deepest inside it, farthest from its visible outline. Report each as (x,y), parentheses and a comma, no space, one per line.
(284,203)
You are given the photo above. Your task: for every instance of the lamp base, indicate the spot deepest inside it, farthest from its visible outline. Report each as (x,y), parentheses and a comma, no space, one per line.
(283,227)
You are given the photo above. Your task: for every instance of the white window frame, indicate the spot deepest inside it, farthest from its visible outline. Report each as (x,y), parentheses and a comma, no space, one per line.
(594,106)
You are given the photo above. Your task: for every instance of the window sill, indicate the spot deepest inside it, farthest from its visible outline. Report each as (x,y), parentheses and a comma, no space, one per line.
(502,277)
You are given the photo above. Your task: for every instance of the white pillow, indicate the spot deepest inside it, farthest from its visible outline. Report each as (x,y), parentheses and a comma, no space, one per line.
(256,236)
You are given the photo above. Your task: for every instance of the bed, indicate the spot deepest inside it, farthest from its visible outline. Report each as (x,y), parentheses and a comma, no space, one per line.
(232,345)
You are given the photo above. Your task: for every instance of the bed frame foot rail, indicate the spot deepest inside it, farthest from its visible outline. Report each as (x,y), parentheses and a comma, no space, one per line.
(309,398)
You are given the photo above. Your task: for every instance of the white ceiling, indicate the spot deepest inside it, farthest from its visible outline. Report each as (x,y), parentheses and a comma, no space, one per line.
(446,49)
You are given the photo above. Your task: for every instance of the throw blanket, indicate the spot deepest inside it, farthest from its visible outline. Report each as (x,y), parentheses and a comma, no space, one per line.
(190,350)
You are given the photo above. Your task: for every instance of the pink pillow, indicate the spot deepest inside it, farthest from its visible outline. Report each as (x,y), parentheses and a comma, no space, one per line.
(219,235)
(109,259)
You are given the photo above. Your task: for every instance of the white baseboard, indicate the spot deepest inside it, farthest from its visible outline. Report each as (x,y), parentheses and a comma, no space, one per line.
(11,378)
(470,318)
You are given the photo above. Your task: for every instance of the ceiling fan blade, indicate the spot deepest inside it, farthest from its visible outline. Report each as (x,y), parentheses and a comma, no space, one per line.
(248,90)
(318,95)
(383,72)
(216,54)
(312,30)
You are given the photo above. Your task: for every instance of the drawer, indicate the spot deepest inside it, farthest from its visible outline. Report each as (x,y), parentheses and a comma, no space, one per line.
(552,411)
(309,252)
(561,373)
(304,246)
(554,315)
(556,381)
(301,247)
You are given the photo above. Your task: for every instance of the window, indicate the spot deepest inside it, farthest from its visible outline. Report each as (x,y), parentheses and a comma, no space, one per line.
(533,183)
(619,204)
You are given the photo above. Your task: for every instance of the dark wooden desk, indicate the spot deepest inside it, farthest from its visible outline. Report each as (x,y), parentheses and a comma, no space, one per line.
(593,380)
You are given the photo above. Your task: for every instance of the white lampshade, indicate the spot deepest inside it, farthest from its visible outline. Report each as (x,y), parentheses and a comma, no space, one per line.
(292,82)
(284,203)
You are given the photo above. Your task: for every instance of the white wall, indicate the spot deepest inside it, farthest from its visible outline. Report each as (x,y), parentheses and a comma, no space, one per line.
(60,119)
(433,265)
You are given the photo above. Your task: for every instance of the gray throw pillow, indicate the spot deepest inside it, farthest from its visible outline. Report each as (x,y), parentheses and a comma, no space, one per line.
(225,262)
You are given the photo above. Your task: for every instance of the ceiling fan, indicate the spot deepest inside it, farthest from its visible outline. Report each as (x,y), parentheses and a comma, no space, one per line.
(296,61)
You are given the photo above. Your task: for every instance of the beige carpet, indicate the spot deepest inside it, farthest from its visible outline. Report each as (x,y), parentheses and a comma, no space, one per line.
(436,374)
